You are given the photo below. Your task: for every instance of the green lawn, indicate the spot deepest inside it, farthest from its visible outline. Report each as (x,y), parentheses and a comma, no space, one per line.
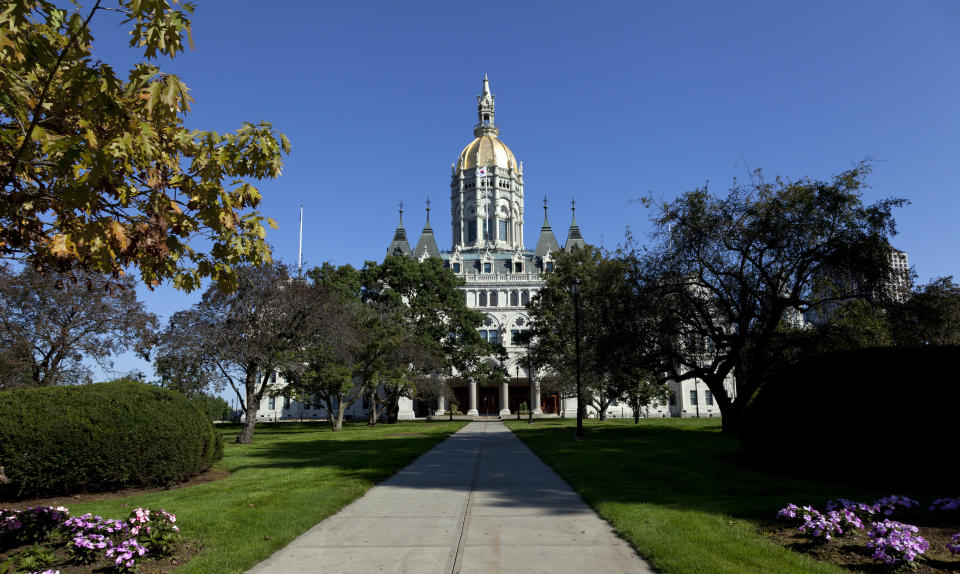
(293,476)
(679,491)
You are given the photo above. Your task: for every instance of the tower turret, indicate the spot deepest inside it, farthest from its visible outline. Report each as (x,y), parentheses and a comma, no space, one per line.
(485,111)
(399,245)
(486,187)
(574,238)
(427,244)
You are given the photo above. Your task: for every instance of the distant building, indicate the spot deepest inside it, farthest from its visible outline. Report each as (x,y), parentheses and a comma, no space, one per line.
(900,281)
(897,288)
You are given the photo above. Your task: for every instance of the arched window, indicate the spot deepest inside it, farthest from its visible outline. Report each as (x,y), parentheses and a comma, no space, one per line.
(525,298)
(493,299)
(514,299)
(482,302)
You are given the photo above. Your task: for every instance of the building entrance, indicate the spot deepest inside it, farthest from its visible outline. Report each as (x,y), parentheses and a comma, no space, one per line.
(488,403)
(550,404)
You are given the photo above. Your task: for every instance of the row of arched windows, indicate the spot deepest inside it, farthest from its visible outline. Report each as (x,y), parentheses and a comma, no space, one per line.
(487,182)
(513,298)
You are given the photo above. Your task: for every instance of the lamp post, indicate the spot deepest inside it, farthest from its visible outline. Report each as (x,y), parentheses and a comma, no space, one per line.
(518,382)
(534,397)
(575,291)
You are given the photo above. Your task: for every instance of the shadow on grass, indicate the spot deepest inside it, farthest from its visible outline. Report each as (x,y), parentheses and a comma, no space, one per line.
(683,464)
(368,453)
(690,464)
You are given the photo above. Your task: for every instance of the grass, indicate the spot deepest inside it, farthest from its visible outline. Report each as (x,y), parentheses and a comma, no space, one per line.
(293,476)
(681,493)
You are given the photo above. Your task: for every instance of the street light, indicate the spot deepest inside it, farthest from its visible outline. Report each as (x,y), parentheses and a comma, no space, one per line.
(575,291)
(518,382)
(533,395)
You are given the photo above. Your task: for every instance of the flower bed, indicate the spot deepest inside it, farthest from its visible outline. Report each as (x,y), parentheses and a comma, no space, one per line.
(852,534)
(43,538)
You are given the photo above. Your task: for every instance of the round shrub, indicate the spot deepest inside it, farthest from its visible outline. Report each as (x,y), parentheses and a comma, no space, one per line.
(865,414)
(62,440)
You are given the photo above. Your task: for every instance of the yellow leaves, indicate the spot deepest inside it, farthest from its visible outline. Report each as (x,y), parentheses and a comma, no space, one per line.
(228,219)
(119,235)
(153,178)
(61,246)
(91,139)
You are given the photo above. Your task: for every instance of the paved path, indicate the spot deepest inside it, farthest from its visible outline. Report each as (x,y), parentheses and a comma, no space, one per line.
(480,501)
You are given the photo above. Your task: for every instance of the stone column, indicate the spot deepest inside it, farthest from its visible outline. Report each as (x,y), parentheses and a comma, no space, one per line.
(441,406)
(473,399)
(504,399)
(535,393)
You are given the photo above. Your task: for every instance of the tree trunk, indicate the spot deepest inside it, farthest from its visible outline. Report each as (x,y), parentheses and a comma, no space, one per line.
(246,434)
(252,404)
(372,414)
(636,416)
(337,421)
(393,410)
(732,418)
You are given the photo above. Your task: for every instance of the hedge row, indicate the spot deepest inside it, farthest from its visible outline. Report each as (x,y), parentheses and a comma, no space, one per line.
(90,438)
(862,414)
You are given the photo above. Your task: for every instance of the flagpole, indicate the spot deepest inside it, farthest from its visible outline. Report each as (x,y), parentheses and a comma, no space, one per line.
(300,249)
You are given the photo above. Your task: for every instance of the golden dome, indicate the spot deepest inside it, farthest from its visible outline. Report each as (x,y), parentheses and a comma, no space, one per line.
(486,151)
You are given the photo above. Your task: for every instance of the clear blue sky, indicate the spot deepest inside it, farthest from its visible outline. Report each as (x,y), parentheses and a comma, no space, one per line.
(602,101)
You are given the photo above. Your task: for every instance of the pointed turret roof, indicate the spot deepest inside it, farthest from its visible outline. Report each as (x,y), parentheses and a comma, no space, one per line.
(574,238)
(427,244)
(486,104)
(547,242)
(399,245)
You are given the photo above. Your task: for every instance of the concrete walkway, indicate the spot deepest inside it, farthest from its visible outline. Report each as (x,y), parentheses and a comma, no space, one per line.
(480,501)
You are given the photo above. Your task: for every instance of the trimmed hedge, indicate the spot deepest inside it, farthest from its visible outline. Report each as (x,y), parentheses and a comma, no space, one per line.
(886,412)
(105,436)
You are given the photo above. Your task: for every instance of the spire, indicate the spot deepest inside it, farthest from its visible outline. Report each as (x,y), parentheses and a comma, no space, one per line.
(399,245)
(485,111)
(547,242)
(574,238)
(427,244)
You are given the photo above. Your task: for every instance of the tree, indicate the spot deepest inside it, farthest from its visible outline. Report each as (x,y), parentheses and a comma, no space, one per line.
(100,173)
(608,350)
(399,328)
(330,356)
(931,315)
(241,339)
(50,324)
(642,391)
(431,330)
(728,270)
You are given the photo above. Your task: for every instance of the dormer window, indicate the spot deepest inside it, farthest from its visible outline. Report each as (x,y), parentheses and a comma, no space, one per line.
(456,268)
(486,267)
(549,266)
